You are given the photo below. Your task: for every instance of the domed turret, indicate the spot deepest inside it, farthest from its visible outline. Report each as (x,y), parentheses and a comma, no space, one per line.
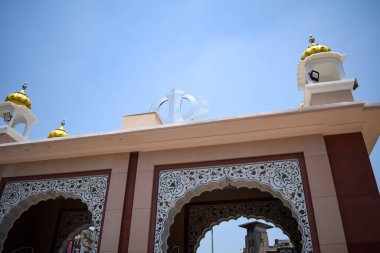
(16,111)
(20,97)
(59,132)
(314,48)
(321,75)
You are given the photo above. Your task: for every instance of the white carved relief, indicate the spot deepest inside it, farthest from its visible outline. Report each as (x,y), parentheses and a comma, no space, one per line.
(281,178)
(202,217)
(18,196)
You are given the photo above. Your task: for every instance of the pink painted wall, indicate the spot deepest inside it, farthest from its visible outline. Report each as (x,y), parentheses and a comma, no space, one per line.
(328,220)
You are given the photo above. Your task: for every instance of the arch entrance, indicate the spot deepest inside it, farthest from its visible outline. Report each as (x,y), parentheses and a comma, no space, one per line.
(281,179)
(18,196)
(202,217)
(45,225)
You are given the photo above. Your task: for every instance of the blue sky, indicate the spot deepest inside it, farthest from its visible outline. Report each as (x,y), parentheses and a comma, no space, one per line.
(91,62)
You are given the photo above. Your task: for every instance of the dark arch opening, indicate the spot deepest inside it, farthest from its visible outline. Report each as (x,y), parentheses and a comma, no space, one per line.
(40,226)
(187,239)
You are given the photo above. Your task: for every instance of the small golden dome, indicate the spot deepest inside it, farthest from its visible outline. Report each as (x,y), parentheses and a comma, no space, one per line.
(20,97)
(314,48)
(59,132)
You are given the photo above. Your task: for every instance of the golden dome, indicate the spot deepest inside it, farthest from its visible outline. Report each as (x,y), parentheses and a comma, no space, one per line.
(20,97)
(314,48)
(59,132)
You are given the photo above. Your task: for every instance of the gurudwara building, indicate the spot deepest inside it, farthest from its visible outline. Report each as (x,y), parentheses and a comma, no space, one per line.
(158,187)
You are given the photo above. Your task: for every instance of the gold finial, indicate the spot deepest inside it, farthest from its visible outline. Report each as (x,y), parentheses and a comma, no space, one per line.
(20,97)
(314,48)
(311,39)
(59,132)
(24,86)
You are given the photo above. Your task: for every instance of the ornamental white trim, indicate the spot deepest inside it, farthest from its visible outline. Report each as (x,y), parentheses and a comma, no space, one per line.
(282,178)
(18,196)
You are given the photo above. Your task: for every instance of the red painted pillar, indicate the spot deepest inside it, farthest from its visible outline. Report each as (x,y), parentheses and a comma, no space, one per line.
(128,203)
(356,189)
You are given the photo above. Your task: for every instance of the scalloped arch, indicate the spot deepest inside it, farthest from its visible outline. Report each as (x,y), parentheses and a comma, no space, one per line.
(235,218)
(19,196)
(281,178)
(202,217)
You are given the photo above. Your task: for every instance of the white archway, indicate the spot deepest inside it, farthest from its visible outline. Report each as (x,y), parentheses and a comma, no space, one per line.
(281,178)
(19,196)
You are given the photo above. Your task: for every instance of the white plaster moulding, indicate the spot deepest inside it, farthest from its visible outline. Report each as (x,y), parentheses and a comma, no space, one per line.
(315,88)
(330,86)
(12,133)
(301,75)
(20,110)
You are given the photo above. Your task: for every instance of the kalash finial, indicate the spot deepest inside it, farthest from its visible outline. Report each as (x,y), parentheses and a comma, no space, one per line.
(314,48)
(20,97)
(59,132)
(311,39)
(24,86)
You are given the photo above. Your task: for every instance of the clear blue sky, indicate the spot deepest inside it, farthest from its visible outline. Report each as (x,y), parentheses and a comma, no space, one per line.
(91,62)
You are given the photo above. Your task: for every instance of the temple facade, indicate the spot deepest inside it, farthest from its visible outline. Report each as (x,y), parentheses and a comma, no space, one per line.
(159,187)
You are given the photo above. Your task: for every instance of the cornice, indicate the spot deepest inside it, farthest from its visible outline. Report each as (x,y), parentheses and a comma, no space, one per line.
(324,120)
